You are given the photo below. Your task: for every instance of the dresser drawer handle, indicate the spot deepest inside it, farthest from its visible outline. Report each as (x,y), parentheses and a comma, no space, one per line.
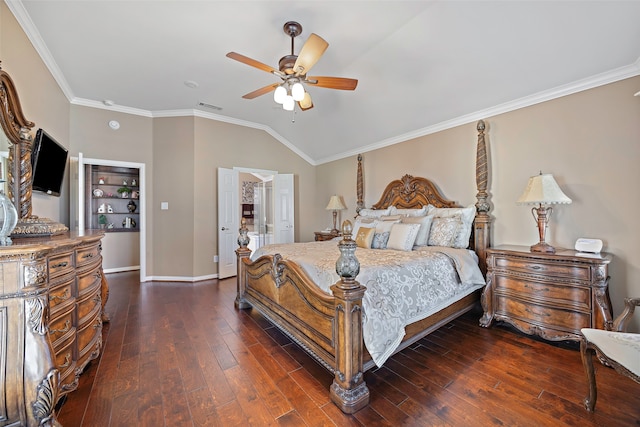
(62,297)
(67,327)
(536,267)
(60,264)
(88,255)
(67,361)
(526,285)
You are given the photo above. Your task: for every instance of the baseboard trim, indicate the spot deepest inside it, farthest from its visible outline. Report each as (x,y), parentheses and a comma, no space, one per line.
(180,278)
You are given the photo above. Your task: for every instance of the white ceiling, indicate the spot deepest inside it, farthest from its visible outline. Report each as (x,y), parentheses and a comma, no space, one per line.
(422,66)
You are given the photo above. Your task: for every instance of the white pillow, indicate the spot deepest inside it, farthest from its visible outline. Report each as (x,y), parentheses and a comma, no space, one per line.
(425,226)
(467,216)
(385,226)
(403,236)
(412,212)
(374,213)
(444,231)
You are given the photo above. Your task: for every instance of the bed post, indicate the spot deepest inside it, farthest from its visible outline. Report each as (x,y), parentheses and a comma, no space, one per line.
(482,222)
(359,187)
(348,391)
(242,252)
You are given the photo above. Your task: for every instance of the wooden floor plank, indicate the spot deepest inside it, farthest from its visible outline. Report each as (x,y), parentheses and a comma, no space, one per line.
(179,354)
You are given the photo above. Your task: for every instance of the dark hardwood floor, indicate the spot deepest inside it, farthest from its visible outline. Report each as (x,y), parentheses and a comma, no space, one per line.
(179,354)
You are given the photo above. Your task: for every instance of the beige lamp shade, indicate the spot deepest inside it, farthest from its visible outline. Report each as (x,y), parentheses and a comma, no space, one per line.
(335,203)
(543,189)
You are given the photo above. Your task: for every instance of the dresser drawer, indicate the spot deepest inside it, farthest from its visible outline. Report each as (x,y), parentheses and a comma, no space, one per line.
(62,327)
(87,255)
(88,307)
(546,268)
(574,297)
(60,265)
(65,362)
(566,320)
(88,333)
(61,294)
(88,281)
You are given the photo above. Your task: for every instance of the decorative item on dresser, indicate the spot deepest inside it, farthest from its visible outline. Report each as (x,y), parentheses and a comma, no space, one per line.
(542,190)
(326,235)
(52,293)
(549,295)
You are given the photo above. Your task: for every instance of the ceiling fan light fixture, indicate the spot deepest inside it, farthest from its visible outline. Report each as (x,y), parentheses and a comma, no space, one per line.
(280,94)
(289,103)
(297,91)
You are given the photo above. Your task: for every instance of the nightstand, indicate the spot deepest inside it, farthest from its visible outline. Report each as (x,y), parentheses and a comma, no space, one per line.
(325,235)
(549,295)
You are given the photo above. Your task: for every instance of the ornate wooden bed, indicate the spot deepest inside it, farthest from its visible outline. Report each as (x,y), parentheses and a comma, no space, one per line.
(329,327)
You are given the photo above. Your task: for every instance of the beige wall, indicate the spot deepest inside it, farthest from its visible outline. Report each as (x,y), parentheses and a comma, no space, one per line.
(589,141)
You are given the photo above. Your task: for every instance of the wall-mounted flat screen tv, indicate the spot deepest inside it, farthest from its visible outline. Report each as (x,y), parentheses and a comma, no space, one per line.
(49,162)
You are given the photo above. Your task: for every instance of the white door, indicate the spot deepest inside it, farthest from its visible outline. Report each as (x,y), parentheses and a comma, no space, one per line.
(228,222)
(283,223)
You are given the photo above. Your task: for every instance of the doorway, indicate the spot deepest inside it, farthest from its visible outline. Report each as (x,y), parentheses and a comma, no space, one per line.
(269,199)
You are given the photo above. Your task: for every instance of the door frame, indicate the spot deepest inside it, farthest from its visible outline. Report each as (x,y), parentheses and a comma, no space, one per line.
(237,170)
(82,161)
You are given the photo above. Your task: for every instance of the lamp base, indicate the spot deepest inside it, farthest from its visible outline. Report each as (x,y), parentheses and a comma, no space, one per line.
(543,247)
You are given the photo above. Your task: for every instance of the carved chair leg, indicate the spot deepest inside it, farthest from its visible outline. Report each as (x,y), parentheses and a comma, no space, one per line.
(587,354)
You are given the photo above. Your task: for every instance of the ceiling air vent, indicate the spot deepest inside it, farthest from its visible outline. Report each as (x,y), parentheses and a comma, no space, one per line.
(212,107)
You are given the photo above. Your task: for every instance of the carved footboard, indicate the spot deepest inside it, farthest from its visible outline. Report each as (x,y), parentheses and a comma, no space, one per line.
(328,327)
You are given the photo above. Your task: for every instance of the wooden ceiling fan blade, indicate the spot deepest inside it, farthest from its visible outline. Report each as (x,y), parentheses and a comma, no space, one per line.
(252,62)
(310,53)
(261,91)
(306,102)
(333,82)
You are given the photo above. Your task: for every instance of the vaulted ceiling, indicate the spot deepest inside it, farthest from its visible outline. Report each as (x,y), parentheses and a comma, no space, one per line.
(422,66)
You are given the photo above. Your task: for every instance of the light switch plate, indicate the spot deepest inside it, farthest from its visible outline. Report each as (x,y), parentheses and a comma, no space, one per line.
(164,206)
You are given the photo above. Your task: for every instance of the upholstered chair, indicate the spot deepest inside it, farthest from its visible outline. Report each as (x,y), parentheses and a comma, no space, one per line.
(615,348)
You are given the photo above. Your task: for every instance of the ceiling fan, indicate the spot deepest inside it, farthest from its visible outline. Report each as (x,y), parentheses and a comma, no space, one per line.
(293,71)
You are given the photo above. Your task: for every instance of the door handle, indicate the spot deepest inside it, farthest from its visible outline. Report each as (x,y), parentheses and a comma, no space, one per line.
(224,228)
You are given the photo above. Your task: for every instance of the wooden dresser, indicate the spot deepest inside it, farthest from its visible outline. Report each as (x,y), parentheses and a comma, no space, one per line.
(549,295)
(51,304)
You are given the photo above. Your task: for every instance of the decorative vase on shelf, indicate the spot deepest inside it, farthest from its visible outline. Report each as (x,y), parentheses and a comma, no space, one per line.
(132,206)
(8,219)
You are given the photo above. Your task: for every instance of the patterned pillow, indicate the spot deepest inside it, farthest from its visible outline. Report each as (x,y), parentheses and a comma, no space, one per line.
(444,231)
(467,215)
(364,237)
(380,240)
(402,236)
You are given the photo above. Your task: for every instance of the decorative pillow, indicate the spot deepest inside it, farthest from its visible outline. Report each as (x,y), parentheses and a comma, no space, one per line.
(412,212)
(385,226)
(425,226)
(467,216)
(374,213)
(391,217)
(364,237)
(444,231)
(380,240)
(362,222)
(402,236)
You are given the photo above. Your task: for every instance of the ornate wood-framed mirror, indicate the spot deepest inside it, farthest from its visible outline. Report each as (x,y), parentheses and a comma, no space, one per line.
(17,130)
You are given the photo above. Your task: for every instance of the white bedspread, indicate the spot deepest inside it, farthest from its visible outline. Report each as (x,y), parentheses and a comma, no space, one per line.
(402,287)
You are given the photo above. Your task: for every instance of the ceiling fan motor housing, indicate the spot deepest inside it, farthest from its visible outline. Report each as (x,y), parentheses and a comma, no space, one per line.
(286,63)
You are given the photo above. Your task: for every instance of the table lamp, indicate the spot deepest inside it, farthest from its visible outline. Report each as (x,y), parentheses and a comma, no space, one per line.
(542,190)
(335,204)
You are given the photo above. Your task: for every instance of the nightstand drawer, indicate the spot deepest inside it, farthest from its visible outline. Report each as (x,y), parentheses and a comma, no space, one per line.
(572,296)
(542,315)
(572,271)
